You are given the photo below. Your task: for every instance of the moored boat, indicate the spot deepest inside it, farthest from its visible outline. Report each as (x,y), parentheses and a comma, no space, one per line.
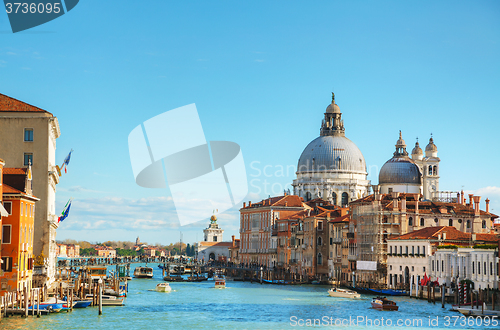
(382,303)
(163,287)
(143,272)
(343,293)
(481,312)
(107,300)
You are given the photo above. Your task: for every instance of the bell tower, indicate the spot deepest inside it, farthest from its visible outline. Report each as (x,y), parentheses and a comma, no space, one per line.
(430,170)
(213,233)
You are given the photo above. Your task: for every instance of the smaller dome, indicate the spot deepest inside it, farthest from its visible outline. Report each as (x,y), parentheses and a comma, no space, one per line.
(400,170)
(400,142)
(431,146)
(417,150)
(332,108)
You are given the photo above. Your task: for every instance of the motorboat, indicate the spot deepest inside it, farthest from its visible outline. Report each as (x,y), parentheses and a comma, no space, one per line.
(343,293)
(482,312)
(82,303)
(143,272)
(163,287)
(220,283)
(384,304)
(107,300)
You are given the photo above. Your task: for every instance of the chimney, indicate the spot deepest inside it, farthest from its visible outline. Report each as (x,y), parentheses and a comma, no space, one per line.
(232,238)
(249,203)
(458,198)
(470,200)
(416,196)
(244,204)
(403,204)
(477,199)
(439,237)
(487,205)
(462,199)
(444,236)
(473,238)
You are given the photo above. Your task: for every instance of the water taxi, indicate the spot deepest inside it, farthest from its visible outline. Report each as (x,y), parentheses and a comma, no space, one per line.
(163,287)
(220,283)
(384,304)
(143,272)
(343,293)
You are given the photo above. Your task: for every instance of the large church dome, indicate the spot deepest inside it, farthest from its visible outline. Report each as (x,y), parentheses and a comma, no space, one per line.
(327,153)
(331,167)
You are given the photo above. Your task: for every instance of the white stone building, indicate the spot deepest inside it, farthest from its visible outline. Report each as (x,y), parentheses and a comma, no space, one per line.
(331,167)
(478,265)
(213,248)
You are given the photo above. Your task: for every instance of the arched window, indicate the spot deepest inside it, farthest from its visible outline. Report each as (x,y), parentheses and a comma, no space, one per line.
(422,222)
(484,223)
(406,250)
(345,199)
(468,223)
(437,266)
(435,170)
(308,196)
(320,259)
(478,267)
(334,198)
(430,169)
(450,222)
(410,221)
(320,240)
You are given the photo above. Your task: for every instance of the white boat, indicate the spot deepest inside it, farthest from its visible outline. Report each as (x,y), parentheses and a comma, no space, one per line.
(143,272)
(343,293)
(220,283)
(483,312)
(108,300)
(163,287)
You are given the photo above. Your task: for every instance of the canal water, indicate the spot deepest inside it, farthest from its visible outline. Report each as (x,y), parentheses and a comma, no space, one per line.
(244,305)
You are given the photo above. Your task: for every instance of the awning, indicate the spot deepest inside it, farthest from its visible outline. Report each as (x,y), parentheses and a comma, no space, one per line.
(3,211)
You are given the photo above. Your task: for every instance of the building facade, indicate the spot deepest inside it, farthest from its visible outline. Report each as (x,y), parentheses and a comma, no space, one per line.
(28,136)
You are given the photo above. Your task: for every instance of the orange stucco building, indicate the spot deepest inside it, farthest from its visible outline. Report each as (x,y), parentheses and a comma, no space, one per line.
(17,230)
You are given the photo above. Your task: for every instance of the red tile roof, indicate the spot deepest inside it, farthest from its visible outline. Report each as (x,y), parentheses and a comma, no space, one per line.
(287,200)
(452,234)
(14,170)
(8,103)
(221,244)
(9,190)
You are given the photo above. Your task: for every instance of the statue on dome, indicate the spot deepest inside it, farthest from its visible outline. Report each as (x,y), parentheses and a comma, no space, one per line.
(333,97)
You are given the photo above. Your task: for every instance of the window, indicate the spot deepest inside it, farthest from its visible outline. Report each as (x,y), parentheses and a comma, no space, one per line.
(410,221)
(422,222)
(423,250)
(331,240)
(7,264)
(472,268)
(320,225)
(390,249)
(345,199)
(406,250)
(491,268)
(28,135)
(478,267)
(430,169)
(484,223)
(28,159)
(418,249)
(450,222)
(320,259)
(468,223)
(334,197)
(215,238)
(6,233)
(320,241)
(400,250)
(8,207)
(412,250)
(435,170)
(442,265)
(308,196)
(423,269)
(390,190)
(437,265)
(412,268)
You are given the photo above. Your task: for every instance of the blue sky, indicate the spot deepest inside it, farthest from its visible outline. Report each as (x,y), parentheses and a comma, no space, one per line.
(260,74)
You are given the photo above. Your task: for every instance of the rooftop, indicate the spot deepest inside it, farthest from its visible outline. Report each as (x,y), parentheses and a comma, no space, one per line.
(9,104)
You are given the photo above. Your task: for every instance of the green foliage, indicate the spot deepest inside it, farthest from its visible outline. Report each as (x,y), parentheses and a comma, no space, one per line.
(450,246)
(486,246)
(125,252)
(88,252)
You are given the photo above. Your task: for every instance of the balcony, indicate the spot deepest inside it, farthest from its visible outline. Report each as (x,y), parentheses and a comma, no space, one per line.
(337,240)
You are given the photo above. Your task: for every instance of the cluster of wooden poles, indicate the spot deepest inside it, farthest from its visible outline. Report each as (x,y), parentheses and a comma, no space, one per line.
(18,302)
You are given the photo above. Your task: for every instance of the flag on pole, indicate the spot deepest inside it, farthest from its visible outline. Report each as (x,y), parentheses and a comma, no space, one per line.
(66,162)
(65,211)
